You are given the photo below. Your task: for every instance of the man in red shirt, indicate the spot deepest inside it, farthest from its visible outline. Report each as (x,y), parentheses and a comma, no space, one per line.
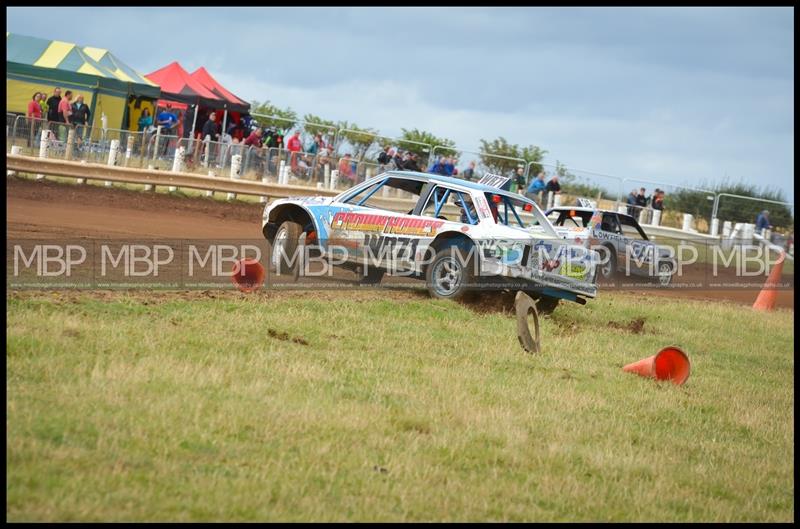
(294,145)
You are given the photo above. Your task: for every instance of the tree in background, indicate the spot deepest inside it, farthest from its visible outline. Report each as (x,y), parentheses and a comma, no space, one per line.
(360,139)
(316,125)
(532,153)
(574,185)
(422,136)
(501,147)
(283,118)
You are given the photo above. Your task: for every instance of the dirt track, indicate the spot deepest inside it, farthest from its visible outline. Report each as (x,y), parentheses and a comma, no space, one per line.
(59,211)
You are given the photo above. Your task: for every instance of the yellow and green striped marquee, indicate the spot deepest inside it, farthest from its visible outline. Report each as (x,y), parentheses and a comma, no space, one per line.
(38,65)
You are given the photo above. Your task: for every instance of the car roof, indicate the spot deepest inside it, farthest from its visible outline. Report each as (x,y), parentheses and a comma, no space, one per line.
(592,210)
(455,181)
(576,208)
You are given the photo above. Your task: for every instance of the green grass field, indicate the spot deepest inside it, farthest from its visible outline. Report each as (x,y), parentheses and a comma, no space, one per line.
(390,406)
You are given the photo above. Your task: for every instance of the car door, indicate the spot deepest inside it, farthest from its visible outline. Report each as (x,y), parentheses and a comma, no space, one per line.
(641,251)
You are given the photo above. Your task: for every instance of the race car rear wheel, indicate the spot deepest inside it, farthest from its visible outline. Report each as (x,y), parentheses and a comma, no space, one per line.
(284,255)
(448,276)
(664,274)
(608,269)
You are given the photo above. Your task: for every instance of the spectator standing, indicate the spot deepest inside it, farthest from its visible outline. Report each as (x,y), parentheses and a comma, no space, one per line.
(345,169)
(323,159)
(397,159)
(406,161)
(449,167)
(294,145)
(34,109)
(34,116)
(42,105)
(762,221)
(536,187)
(81,113)
(641,203)
(552,188)
(145,120)
(65,114)
(233,126)
(254,139)
(411,164)
(469,172)
(385,156)
(316,145)
(270,138)
(81,117)
(436,166)
(52,106)
(210,127)
(167,121)
(519,179)
(188,121)
(279,134)
(658,200)
(631,201)
(209,131)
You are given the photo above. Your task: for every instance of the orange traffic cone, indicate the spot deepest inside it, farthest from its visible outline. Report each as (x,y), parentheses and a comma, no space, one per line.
(669,364)
(248,275)
(766,298)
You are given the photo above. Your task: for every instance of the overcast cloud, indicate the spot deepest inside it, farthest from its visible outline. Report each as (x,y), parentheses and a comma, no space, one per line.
(675,95)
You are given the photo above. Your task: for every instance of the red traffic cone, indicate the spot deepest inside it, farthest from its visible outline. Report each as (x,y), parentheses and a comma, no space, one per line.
(248,275)
(766,298)
(669,364)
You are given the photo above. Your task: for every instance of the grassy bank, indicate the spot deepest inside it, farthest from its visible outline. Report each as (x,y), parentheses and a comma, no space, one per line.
(391,406)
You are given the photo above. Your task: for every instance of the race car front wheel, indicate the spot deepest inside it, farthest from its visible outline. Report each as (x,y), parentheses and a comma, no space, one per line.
(449,275)
(371,276)
(285,258)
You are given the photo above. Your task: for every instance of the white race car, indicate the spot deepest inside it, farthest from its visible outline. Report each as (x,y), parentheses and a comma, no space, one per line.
(621,241)
(456,235)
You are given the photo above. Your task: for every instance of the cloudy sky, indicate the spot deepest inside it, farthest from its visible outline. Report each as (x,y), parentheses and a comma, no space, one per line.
(675,95)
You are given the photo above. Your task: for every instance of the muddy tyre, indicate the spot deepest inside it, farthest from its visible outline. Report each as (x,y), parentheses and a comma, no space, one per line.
(285,259)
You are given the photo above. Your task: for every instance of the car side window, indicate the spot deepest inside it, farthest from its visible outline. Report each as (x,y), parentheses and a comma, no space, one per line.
(610,223)
(375,196)
(451,205)
(631,229)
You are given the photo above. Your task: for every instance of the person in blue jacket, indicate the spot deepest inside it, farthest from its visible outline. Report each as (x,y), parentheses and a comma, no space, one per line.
(762,221)
(536,187)
(449,167)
